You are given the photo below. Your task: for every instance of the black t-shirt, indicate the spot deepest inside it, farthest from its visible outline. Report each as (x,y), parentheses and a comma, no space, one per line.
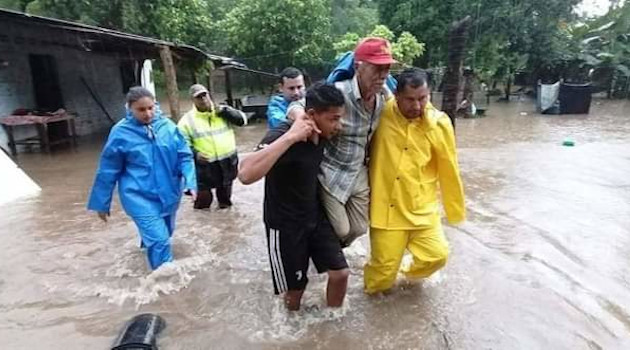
(291,198)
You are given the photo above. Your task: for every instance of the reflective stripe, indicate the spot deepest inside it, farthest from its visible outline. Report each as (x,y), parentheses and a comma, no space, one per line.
(198,135)
(209,135)
(212,158)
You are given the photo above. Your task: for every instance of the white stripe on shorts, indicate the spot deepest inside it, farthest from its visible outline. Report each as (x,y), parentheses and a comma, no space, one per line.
(275,265)
(283,277)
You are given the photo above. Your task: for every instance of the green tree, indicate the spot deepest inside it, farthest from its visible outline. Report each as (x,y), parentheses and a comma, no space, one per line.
(188,22)
(353,16)
(277,33)
(15,5)
(381,31)
(345,43)
(519,26)
(405,49)
(604,45)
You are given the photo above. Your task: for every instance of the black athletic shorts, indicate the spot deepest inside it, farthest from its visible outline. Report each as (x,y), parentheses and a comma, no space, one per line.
(290,249)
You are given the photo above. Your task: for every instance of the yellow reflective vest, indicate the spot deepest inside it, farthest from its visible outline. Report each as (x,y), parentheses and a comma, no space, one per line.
(208,134)
(409,160)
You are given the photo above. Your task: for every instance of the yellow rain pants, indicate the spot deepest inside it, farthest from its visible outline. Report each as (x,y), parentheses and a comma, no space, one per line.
(428,246)
(413,164)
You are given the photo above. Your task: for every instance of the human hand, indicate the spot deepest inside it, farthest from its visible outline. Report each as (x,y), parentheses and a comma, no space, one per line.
(192,194)
(201,158)
(302,128)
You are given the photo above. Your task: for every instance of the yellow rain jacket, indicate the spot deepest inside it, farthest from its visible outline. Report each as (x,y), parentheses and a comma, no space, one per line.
(409,158)
(209,134)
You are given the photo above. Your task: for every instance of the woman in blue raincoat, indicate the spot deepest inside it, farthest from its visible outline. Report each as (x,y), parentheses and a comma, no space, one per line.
(151,162)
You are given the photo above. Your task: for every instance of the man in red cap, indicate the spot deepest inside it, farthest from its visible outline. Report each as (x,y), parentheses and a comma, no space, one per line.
(343,178)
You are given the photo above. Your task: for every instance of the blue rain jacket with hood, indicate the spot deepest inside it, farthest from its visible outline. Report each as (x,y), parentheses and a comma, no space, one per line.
(277,111)
(151,163)
(344,70)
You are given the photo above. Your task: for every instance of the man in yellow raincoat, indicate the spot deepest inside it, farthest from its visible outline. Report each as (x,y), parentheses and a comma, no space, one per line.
(413,152)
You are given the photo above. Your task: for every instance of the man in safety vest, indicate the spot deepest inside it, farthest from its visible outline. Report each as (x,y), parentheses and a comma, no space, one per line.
(211,138)
(413,153)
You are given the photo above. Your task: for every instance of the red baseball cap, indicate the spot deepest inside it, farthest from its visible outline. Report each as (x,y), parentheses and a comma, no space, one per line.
(374,51)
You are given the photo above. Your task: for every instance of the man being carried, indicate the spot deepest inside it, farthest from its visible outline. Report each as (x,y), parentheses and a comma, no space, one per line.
(292,89)
(345,192)
(413,151)
(297,229)
(209,134)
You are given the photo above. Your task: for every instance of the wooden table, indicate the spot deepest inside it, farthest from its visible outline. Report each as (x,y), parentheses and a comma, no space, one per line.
(41,122)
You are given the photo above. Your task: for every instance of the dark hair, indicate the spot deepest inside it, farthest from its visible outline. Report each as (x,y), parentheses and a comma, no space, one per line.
(289,73)
(322,96)
(136,93)
(414,77)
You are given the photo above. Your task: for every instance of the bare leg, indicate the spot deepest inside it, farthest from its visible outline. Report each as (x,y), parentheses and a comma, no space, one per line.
(337,285)
(292,299)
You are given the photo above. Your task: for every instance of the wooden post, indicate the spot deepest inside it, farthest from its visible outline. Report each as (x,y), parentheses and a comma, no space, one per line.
(210,83)
(452,78)
(12,145)
(193,76)
(171,81)
(228,87)
(468,94)
(508,88)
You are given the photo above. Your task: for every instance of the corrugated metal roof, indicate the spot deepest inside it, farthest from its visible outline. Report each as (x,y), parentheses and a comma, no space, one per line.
(182,49)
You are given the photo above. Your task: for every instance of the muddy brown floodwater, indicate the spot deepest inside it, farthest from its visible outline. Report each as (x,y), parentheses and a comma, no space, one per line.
(543,261)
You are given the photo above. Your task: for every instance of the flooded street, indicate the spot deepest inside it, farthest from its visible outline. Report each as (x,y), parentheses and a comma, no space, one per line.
(543,261)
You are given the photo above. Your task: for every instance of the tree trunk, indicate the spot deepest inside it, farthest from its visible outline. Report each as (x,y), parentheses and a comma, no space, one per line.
(508,89)
(456,50)
(468,93)
(193,76)
(210,81)
(469,82)
(613,82)
(171,81)
(210,85)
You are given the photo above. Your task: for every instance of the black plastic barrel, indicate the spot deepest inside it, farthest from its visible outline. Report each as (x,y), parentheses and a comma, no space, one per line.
(575,98)
(140,333)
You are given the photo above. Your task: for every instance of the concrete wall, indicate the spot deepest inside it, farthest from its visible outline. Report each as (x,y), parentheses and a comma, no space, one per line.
(101,71)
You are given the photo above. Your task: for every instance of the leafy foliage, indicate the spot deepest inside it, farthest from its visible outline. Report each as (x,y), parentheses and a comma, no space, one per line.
(405,49)
(279,33)
(542,37)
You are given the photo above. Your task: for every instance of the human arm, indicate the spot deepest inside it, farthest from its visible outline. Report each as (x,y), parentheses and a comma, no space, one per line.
(449,177)
(232,115)
(296,110)
(186,164)
(110,168)
(256,165)
(276,113)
